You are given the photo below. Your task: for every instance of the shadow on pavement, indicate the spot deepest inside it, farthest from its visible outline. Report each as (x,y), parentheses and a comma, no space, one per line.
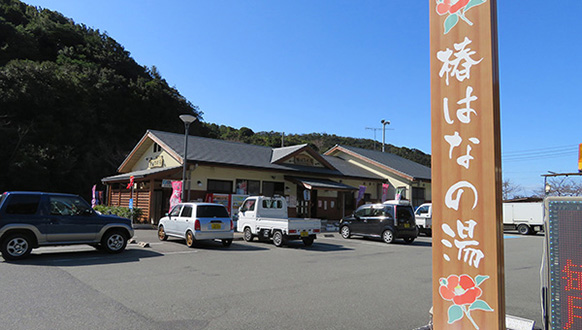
(217,245)
(318,247)
(84,258)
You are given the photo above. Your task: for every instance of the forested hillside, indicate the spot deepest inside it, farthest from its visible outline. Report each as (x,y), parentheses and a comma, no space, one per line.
(73,103)
(319,141)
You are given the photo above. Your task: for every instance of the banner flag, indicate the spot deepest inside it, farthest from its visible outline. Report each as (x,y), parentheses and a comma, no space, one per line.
(93,196)
(385,192)
(176,194)
(361,194)
(130,184)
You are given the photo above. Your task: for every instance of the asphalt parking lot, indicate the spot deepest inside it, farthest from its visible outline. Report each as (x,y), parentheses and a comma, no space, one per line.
(335,284)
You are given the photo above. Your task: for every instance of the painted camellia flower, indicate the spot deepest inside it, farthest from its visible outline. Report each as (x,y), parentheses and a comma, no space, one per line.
(451,6)
(455,10)
(461,290)
(464,292)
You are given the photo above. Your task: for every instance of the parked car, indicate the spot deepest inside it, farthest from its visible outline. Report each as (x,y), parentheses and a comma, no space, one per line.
(389,221)
(196,222)
(32,219)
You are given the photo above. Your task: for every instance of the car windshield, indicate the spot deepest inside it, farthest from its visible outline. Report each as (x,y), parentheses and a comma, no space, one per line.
(211,211)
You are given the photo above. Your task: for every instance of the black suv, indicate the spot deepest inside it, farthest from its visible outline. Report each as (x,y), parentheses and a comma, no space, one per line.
(390,220)
(32,219)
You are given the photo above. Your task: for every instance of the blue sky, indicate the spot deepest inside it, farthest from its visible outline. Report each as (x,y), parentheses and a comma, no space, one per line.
(338,67)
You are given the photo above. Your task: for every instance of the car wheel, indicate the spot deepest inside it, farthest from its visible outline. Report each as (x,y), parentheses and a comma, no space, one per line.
(523,229)
(388,236)
(345,232)
(162,233)
(190,239)
(278,239)
(248,234)
(408,240)
(226,242)
(308,241)
(114,241)
(16,247)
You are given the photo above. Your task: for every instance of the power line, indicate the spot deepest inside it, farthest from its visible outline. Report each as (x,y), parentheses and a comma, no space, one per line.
(528,151)
(542,153)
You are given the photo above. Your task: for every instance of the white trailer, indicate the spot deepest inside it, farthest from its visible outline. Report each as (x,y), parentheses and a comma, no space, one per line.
(526,218)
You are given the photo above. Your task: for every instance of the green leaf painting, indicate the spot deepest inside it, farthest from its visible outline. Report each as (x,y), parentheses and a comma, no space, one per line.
(479,279)
(455,313)
(450,22)
(473,3)
(480,305)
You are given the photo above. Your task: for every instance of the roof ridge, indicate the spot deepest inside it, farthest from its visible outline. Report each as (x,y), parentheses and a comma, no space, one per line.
(210,139)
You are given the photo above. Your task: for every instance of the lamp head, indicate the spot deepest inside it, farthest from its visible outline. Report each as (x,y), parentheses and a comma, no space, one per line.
(187,119)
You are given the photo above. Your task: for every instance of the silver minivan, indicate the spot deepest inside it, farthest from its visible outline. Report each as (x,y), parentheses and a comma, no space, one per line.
(196,222)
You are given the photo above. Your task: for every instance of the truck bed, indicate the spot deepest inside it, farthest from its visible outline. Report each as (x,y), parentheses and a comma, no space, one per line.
(289,224)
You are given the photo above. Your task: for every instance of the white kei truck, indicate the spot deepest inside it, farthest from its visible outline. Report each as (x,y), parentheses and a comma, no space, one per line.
(423,217)
(267,218)
(527,218)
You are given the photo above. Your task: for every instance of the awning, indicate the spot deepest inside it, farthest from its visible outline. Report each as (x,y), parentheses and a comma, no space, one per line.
(320,184)
(142,174)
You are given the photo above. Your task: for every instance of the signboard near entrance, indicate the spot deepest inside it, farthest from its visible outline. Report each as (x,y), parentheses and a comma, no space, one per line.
(564,229)
(468,273)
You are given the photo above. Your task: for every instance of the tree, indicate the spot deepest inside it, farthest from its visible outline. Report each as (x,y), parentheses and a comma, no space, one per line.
(510,190)
(561,186)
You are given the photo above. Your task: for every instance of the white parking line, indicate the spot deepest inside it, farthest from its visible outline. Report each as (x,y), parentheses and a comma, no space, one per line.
(179,252)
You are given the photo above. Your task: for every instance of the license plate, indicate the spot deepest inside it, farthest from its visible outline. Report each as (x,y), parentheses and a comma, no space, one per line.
(215,226)
(304,234)
(406,225)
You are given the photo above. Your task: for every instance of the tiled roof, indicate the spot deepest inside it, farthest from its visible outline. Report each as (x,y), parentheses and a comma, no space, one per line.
(280,153)
(206,150)
(139,174)
(407,167)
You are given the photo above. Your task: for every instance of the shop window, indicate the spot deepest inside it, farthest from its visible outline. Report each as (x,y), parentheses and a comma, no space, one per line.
(349,200)
(248,187)
(273,188)
(417,196)
(220,186)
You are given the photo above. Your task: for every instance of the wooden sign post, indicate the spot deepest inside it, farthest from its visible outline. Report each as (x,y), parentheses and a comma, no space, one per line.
(468,264)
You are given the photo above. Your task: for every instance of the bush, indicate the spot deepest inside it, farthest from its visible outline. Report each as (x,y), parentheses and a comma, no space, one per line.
(119,211)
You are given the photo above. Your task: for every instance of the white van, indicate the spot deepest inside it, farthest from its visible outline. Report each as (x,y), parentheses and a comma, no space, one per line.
(197,221)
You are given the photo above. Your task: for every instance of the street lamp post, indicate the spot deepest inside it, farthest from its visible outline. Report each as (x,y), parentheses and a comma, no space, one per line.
(187,119)
(384,123)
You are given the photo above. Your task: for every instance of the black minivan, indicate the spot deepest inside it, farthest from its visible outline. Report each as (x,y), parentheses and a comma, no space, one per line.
(389,220)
